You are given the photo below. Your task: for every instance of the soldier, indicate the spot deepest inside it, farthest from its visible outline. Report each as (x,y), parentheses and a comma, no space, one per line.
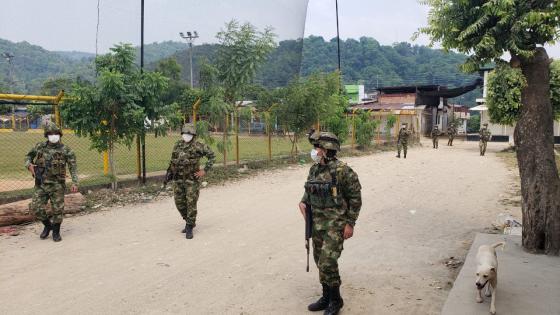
(47,163)
(402,140)
(333,192)
(485,136)
(186,173)
(435,136)
(451,132)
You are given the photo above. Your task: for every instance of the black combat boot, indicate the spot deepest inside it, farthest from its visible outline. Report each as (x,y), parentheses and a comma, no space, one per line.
(56,232)
(405,155)
(48,228)
(188,232)
(322,302)
(335,301)
(399,156)
(185,229)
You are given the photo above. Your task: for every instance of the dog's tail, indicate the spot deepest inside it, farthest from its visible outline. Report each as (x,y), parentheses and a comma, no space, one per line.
(503,244)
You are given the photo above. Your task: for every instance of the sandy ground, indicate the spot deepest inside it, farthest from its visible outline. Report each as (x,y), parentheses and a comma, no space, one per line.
(248,253)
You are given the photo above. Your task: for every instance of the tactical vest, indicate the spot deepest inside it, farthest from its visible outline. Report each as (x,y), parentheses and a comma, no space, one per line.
(185,163)
(324,192)
(53,161)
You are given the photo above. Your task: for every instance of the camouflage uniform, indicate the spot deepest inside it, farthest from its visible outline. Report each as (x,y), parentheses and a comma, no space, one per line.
(402,141)
(485,136)
(451,132)
(334,193)
(435,136)
(53,158)
(185,162)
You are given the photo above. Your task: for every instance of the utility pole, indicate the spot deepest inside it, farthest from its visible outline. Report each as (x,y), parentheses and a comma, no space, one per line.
(190,37)
(143,135)
(338,43)
(9,56)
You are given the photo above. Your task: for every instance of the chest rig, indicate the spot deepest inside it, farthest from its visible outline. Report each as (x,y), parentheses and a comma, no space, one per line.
(323,187)
(185,161)
(52,161)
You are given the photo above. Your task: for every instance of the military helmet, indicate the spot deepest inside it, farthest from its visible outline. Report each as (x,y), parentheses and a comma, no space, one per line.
(325,140)
(189,129)
(52,128)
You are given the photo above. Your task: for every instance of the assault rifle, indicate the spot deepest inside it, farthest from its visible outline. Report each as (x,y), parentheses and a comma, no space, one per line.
(40,173)
(168,176)
(308,229)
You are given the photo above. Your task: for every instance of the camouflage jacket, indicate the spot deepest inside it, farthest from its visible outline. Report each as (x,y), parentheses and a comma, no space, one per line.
(485,134)
(185,159)
(451,131)
(435,133)
(403,136)
(53,158)
(334,193)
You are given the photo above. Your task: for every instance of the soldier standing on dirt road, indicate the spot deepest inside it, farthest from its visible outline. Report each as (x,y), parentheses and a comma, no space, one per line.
(186,174)
(47,163)
(334,193)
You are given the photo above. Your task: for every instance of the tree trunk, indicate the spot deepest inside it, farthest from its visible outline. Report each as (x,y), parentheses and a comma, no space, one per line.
(540,183)
(18,212)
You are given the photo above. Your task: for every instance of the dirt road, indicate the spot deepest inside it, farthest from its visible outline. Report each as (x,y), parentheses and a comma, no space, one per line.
(248,253)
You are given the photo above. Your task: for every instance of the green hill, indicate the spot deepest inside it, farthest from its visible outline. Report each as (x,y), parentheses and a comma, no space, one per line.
(364,61)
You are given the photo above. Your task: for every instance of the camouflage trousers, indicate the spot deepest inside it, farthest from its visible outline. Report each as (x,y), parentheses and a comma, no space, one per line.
(482,146)
(435,141)
(327,247)
(186,196)
(41,196)
(402,146)
(450,141)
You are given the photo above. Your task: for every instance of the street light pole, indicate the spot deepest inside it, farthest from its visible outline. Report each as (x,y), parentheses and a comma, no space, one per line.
(190,37)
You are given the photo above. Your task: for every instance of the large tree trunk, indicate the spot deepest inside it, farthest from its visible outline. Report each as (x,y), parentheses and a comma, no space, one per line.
(540,183)
(18,212)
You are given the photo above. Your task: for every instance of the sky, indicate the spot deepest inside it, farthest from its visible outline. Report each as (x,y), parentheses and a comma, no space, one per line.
(72,24)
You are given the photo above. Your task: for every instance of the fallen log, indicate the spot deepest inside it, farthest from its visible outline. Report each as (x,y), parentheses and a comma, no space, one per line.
(18,212)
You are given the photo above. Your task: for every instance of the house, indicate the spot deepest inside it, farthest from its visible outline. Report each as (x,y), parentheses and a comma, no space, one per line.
(422,106)
(356,93)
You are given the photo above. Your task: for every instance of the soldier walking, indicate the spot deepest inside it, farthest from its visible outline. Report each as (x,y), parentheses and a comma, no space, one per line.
(47,163)
(485,136)
(402,140)
(435,136)
(451,133)
(334,193)
(186,174)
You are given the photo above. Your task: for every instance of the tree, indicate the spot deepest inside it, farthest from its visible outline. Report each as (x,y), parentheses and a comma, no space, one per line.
(473,124)
(125,102)
(308,101)
(505,85)
(171,69)
(486,30)
(242,51)
(365,128)
(391,120)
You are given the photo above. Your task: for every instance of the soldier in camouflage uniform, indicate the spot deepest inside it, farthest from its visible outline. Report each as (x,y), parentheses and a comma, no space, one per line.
(187,175)
(402,140)
(334,193)
(485,136)
(435,136)
(47,162)
(451,133)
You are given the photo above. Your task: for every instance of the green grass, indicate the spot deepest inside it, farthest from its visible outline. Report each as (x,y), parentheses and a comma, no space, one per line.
(15,146)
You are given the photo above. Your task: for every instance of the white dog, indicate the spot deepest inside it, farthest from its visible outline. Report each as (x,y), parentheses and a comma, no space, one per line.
(487,273)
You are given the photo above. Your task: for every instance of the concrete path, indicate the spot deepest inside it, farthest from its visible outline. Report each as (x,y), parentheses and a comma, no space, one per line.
(527,284)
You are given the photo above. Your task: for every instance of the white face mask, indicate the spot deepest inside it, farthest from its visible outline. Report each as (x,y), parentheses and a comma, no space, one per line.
(187,137)
(54,138)
(314,156)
